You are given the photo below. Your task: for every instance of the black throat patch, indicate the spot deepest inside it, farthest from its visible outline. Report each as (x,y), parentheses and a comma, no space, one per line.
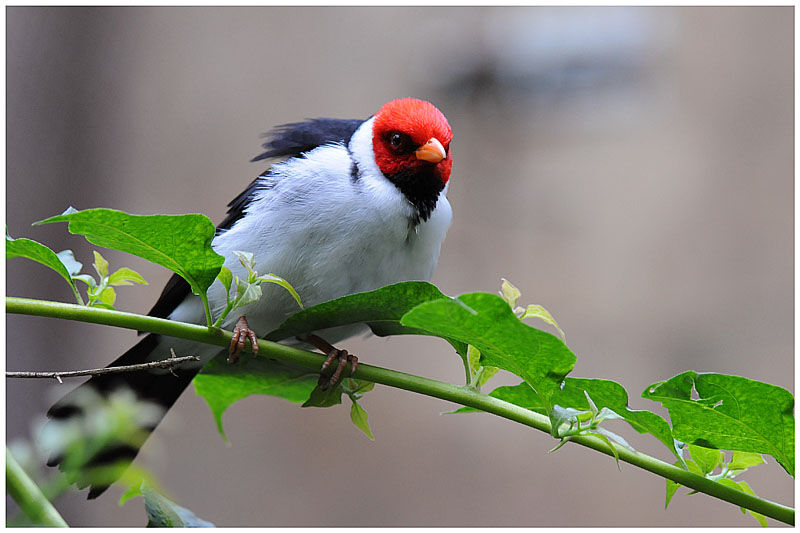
(421,186)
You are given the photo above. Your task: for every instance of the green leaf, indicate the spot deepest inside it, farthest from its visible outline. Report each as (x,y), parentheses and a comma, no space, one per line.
(135,478)
(611,395)
(672,487)
(509,292)
(479,374)
(131,492)
(126,276)
(511,295)
(41,254)
(272,278)
(487,322)
(247,259)
(181,243)
(760,518)
(604,437)
(474,358)
(487,374)
(741,461)
(100,264)
(691,466)
(745,487)
(226,277)
(359,417)
(108,297)
(380,309)
(522,395)
(387,304)
(388,328)
(605,395)
(246,293)
(731,413)
(358,386)
(565,415)
(537,311)
(707,459)
(221,384)
(325,398)
(163,512)
(87,279)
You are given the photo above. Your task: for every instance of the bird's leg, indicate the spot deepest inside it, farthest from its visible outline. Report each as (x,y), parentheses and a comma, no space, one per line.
(241,333)
(333,353)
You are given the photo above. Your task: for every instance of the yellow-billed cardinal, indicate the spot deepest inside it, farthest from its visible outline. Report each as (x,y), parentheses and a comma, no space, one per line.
(357,205)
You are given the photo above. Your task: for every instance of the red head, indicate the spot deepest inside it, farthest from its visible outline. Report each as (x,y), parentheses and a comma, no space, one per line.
(411,135)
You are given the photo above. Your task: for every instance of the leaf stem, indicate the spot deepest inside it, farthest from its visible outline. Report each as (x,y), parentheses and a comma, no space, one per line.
(462,395)
(207,309)
(29,496)
(76,293)
(224,314)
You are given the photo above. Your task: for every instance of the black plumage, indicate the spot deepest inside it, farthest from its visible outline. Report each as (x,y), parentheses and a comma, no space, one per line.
(297,137)
(161,388)
(421,187)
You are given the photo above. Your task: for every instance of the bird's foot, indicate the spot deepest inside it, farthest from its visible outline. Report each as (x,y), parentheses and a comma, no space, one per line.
(241,333)
(332,353)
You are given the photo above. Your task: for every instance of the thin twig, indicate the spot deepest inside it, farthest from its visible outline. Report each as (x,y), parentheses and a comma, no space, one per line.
(166,363)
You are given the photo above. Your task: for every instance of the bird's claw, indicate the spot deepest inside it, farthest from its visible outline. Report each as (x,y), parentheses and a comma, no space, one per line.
(344,357)
(332,353)
(241,333)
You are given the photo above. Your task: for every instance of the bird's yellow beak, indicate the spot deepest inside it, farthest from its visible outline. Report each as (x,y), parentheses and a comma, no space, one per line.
(432,151)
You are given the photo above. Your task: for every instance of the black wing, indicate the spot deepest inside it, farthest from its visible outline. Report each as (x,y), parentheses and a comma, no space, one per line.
(298,137)
(286,140)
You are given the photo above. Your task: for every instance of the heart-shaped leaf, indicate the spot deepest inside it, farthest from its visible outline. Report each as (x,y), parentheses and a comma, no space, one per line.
(730,413)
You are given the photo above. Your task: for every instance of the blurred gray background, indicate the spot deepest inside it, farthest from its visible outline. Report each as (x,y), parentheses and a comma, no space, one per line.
(631,169)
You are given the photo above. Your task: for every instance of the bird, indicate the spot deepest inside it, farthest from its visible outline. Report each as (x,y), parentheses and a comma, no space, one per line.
(349,206)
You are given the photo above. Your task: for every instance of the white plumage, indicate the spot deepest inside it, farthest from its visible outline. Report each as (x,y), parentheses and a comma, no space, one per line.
(325,235)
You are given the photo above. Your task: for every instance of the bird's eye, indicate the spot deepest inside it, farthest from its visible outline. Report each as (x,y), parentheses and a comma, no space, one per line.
(399,142)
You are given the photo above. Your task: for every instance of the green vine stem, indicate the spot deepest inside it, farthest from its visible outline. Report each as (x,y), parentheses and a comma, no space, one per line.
(458,394)
(29,496)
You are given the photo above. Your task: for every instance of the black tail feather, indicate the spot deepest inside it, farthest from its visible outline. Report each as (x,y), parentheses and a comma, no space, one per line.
(161,388)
